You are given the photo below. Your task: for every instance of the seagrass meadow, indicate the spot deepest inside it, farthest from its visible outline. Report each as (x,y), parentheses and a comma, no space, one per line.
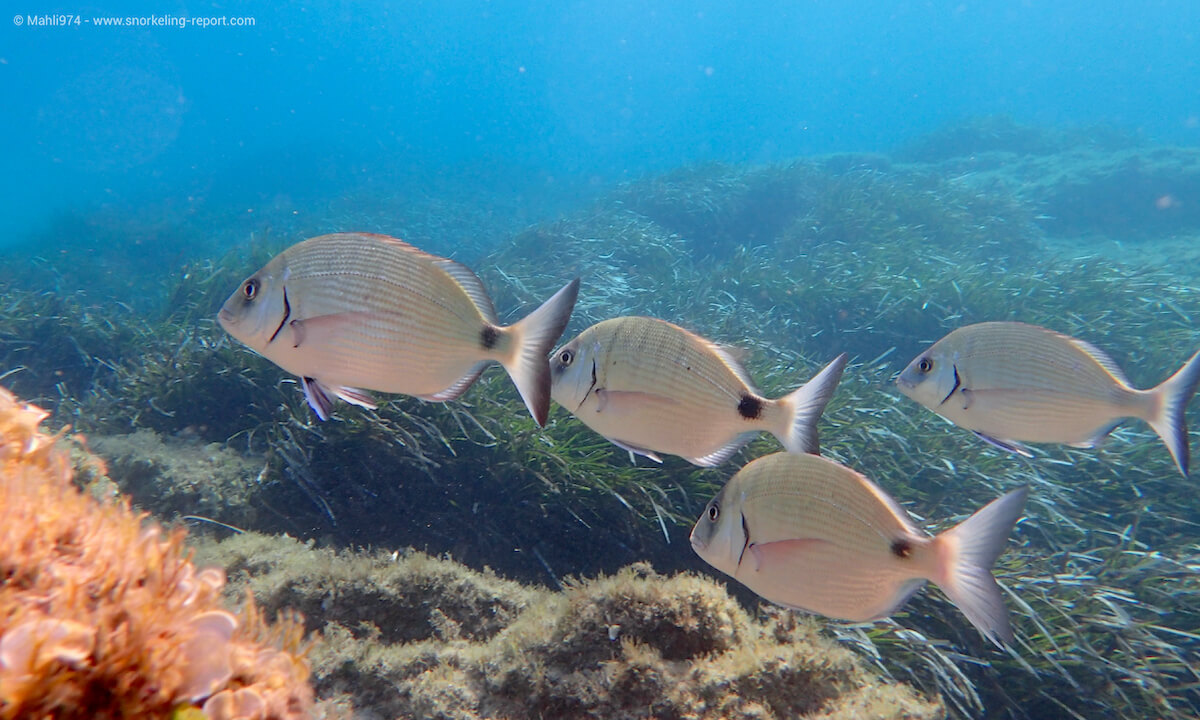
(871,255)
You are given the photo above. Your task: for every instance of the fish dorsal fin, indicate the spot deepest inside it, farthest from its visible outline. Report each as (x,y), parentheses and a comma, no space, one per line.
(471,285)
(1101,358)
(391,240)
(460,385)
(733,357)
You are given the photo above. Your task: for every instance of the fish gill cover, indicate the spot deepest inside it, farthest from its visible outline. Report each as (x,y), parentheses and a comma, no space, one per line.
(789,180)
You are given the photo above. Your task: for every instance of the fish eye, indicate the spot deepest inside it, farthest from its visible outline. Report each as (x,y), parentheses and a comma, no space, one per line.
(925,365)
(566,357)
(714,511)
(250,288)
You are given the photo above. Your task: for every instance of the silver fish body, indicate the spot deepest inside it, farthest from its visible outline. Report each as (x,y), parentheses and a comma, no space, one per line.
(357,310)
(1010,382)
(652,387)
(805,532)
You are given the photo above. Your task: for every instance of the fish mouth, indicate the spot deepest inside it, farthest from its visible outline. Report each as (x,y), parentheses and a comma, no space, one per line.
(905,383)
(225,317)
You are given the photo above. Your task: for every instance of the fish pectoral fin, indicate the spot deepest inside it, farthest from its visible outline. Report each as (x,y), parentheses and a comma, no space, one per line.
(1011,446)
(1095,440)
(782,553)
(724,452)
(324,328)
(318,397)
(629,401)
(634,449)
(460,385)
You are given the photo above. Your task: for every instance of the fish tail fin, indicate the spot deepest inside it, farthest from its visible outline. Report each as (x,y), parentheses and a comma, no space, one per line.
(1170,423)
(967,552)
(804,405)
(534,337)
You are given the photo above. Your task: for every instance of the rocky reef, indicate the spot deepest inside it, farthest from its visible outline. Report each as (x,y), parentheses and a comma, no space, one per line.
(406,635)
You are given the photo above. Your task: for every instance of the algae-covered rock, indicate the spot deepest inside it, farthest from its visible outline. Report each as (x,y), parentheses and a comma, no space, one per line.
(396,597)
(411,636)
(182,477)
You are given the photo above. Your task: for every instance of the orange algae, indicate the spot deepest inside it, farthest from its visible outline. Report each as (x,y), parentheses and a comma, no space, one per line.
(103,614)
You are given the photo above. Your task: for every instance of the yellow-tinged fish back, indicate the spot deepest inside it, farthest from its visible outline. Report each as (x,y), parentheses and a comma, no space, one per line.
(1013,355)
(786,492)
(361,270)
(652,355)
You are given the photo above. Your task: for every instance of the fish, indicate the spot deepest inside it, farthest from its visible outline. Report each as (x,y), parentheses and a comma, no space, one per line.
(811,534)
(1011,383)
(351,312)
(651,387)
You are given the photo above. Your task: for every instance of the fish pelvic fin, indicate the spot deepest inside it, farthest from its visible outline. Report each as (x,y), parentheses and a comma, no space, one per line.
(318,394)
(318,399)
(1170,424)
(966,554)
(533,337)
(803,407)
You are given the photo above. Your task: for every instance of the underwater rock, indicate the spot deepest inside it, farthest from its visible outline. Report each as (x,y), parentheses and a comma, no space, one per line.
(174,477)
(1128,194)
(1000,134)
(409,635)
(1139,193)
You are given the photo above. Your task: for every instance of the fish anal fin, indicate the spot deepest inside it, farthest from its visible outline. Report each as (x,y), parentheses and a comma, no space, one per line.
(1011,446)
(460,385)
(779,554)
(634,449)
(1095,440)
(725,452)
(354,396)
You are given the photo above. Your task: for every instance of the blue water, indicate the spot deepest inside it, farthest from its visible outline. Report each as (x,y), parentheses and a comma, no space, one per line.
(546,100)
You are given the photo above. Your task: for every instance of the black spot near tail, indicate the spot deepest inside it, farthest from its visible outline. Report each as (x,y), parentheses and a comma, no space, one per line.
(901,548)
(750,407)
(489,337)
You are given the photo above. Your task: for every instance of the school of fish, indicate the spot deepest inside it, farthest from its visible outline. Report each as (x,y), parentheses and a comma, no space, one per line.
(350,313)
